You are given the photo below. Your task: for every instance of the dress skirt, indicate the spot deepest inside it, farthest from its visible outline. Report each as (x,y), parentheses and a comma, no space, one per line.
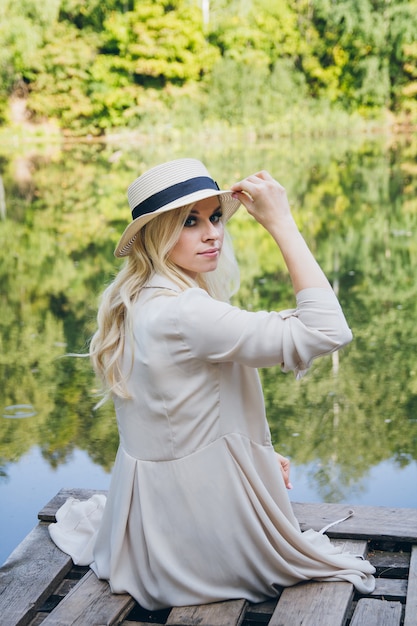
(214,525)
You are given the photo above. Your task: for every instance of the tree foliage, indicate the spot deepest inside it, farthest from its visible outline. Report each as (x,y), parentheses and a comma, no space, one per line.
(101,64)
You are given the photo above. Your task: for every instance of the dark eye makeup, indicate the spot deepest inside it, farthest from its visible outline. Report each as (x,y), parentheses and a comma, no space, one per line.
(192,218)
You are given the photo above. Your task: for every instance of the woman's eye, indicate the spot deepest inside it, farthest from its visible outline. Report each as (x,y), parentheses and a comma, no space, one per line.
(190,221)
(216,217)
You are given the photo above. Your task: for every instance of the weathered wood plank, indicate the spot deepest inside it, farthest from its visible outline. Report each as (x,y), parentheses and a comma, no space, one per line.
(309,604)
(129,623)
(91,603)
(37,620)
(312,603)
(29,576)
(390,589)
(65,587)
(135,623)
(229,613)
(410,618)
(368,522)
(391,564)
(370,612)
(261,612)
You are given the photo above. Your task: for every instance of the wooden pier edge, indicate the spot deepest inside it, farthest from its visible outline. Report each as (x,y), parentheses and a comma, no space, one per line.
(40,585)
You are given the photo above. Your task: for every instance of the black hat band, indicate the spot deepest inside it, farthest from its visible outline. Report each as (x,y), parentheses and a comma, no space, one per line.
(172,193)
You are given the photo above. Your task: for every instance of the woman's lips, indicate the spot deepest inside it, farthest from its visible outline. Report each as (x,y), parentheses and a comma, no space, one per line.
(211,252)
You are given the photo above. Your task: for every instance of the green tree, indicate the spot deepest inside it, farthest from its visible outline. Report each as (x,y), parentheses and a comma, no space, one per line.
(91,14)
(23,24)
(109,78)
(363,44)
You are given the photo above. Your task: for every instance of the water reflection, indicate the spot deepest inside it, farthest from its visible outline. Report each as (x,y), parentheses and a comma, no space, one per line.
(356,202)
(18,411)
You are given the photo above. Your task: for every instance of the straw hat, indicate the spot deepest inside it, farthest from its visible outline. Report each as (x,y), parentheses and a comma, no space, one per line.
(170,186)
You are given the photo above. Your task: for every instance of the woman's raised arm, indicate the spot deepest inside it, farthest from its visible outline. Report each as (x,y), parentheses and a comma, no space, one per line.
(266,200)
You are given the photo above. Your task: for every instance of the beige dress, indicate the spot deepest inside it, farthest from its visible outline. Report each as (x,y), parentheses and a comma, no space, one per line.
(197,510)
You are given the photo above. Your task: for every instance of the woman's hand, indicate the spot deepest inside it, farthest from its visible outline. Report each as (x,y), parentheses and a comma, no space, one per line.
(285,469)
(266,200)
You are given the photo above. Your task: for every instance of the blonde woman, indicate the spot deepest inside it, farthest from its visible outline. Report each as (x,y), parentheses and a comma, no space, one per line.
(197,509)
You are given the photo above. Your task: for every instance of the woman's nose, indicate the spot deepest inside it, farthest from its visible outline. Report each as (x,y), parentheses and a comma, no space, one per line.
(210,231)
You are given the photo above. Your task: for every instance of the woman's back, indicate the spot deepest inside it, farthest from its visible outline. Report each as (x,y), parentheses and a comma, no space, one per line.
(184,401)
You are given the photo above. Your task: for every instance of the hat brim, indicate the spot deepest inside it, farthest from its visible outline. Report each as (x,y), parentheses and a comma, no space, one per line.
(228,204)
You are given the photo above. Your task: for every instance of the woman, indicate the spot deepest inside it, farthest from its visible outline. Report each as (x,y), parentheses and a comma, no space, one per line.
(197,510)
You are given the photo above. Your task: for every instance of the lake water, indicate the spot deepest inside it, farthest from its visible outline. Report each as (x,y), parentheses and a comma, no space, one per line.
(349,427)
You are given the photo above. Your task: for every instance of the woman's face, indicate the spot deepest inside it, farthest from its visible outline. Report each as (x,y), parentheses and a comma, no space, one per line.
(198,247)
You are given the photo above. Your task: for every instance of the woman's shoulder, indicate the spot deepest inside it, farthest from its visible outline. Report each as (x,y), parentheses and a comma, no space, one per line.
(158,282)
(167,298)
(161,285)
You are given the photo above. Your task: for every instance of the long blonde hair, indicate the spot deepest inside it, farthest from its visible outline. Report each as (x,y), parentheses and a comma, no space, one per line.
(150,254)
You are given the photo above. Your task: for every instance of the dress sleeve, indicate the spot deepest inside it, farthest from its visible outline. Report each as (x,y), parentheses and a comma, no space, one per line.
(218,332)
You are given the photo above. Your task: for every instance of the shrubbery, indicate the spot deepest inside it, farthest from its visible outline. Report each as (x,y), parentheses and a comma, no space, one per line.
(98,65)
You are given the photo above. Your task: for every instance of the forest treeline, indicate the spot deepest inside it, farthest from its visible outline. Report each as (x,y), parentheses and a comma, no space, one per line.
(92,66)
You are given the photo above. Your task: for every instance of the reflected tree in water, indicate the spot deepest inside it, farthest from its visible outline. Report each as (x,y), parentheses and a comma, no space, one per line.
(356,205)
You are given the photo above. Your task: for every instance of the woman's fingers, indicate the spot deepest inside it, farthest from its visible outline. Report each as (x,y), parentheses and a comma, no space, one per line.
(253,183)
(285,469)
(264,198)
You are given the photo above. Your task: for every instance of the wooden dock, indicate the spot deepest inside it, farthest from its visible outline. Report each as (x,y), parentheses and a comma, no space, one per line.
(40,585)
